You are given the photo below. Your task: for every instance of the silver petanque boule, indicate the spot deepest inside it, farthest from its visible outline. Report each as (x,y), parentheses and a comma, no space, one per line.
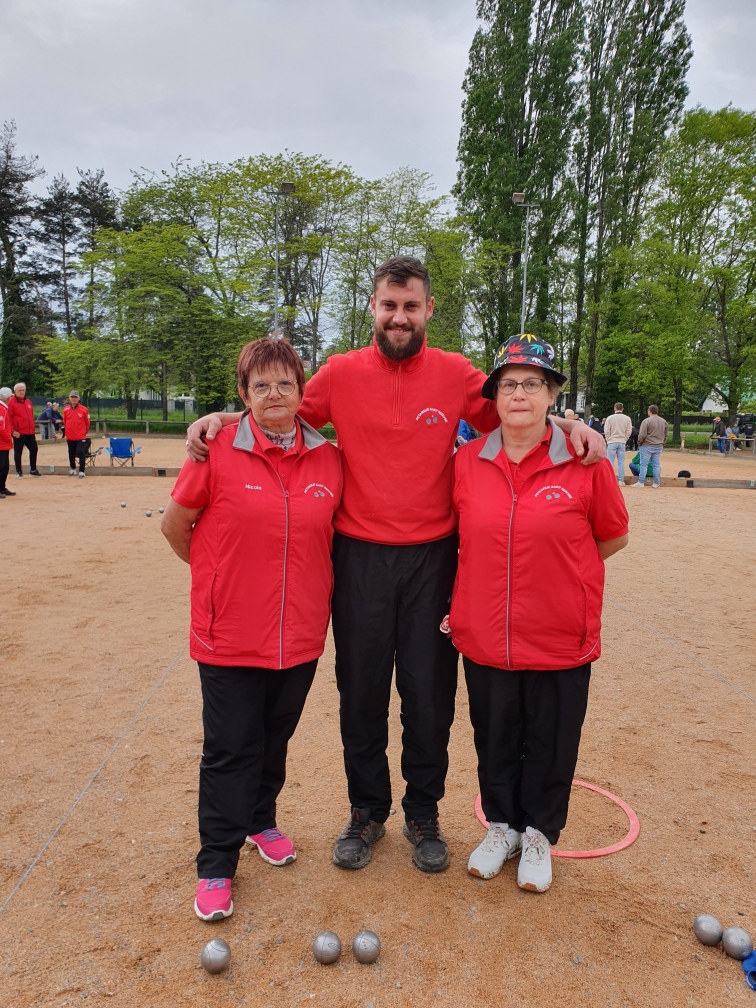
(215,956)
(366,946)
(327,947)
(707,929)
(737,943)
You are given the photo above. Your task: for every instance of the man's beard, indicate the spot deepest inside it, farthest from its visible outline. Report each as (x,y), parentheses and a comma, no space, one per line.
(399,353)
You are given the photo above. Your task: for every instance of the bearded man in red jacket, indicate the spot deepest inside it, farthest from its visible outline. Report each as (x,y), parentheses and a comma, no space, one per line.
(396,406)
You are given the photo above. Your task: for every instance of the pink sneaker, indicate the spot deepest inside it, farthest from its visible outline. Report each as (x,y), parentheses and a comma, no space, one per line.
(273,846)
(213,900)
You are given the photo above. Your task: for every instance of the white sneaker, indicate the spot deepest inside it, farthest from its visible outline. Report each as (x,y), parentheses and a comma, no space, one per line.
(71,472)
(534,870)
(639,484)
(655,486)
(82,475)
(501,844)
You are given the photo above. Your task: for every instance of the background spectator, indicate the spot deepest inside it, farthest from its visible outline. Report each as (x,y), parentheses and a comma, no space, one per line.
(617,431)
(23,429)
(76,426)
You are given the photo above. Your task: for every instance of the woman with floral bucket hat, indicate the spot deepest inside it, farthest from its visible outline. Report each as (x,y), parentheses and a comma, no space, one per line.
(533,522)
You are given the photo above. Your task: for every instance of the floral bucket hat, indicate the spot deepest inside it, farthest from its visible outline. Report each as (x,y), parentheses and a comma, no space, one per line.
(522,349)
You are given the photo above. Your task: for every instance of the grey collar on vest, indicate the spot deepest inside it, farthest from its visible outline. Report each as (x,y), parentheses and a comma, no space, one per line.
(245,439)
(558,451)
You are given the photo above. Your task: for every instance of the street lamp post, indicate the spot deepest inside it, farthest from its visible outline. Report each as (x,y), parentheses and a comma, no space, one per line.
(285,189)
(518,199)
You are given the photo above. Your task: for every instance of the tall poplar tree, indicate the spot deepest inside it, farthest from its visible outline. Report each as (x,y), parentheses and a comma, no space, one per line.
(520,93)
(634,61)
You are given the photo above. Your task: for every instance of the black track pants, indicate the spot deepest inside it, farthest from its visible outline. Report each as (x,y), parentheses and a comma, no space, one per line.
(77,450)
(388,602)
(4,467)
(527,727)
(25,441)
(249,715)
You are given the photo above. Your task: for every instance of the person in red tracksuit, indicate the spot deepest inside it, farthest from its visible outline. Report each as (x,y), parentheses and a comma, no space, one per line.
(23,429)
(396,406)
(256,526)
(76,427)
(6,441)
(535,527)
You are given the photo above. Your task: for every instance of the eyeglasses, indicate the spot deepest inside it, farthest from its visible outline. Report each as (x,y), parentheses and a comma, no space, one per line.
(530,385)
(262,389)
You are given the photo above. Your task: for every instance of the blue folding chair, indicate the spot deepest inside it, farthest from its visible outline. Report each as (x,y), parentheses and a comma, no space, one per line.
(122,450)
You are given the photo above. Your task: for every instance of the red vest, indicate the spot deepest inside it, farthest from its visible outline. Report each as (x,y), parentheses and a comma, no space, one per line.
(261,549)
(529,587)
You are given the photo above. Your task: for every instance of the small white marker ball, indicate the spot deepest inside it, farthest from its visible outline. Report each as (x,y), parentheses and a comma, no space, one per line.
(707,929)
(737,943)
(366,946)
(123,503)
(327,947)
(215,956)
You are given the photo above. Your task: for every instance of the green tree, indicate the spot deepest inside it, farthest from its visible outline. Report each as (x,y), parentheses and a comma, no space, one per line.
(22,307)
(633,65)
(685,313)
(97,208)
(520,94)
(57,233)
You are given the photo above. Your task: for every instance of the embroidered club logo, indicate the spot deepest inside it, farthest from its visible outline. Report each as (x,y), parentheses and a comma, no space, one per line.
(553,492)
(319,489)
(431,415)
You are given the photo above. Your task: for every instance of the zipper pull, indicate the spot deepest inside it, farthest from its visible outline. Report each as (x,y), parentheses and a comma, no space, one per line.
(514,498)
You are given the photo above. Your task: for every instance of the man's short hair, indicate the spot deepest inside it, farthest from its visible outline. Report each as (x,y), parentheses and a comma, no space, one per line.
(618,406)
(653,409)
(400,270)
(19,384)
(267,352)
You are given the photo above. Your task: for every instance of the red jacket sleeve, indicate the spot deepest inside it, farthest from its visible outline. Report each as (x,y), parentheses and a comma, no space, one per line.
(607,513)
(13,413)
(192,488)
(316,405)
(480,413)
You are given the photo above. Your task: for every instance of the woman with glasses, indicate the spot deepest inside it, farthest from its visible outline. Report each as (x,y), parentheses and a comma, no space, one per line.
(255,525)
(534,522)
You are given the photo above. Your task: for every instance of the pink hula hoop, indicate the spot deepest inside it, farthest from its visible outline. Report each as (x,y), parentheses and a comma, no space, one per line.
(630,837)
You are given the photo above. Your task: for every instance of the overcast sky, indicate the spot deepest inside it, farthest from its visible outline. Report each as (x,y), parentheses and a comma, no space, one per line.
(122,84)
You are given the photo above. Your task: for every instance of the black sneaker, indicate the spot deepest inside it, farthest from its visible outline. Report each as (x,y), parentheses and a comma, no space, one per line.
(7,493)
(353,848)
(34,472)
(430,850)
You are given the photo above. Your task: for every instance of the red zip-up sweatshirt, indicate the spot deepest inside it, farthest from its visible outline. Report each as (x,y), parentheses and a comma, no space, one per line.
(75,422)
(397,423)
(530,581)
(21,413)
(261,549)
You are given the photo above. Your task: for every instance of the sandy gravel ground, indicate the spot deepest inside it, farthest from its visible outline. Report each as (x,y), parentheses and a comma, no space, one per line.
(94,620)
